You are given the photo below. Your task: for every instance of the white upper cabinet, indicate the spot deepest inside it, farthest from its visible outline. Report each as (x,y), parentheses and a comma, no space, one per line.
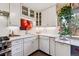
(15,12)
(4,7)
(49,17)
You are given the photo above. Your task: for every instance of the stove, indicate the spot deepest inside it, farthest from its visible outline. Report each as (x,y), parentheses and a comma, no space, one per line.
(3,42)
(4,38)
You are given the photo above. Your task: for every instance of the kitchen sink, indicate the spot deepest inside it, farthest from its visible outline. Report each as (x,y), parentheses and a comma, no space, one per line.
(64,38)
(14,35)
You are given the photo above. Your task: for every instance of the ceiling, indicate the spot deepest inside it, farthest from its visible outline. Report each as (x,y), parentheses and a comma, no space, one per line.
(38,6)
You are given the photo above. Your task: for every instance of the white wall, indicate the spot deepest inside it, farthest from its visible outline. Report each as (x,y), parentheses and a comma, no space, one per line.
(4,7)
(47,30)
(49,17)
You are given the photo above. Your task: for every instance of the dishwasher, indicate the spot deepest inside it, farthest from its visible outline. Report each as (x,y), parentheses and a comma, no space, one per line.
(74,50)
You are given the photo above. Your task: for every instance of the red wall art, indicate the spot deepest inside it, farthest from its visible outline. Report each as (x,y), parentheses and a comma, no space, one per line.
(25,24)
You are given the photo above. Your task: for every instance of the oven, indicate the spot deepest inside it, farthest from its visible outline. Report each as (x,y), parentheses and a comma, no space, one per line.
(74,50)
(5,46)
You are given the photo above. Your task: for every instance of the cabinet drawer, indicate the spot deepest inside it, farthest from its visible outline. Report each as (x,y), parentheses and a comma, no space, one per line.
(17,46)
(44,37)
(17,42)
(28,39)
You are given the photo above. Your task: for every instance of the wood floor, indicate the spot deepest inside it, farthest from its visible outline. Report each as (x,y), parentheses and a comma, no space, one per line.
(39,53)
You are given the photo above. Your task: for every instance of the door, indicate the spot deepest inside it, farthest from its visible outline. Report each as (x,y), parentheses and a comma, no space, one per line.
(44,44)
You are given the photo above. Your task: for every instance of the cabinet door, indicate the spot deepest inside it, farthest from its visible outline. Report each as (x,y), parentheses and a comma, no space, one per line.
(18,54)
(44,44)
(52,46)
(15,12)
(17,47)
(28,46)
(62,49)
(49,17)
(35,44)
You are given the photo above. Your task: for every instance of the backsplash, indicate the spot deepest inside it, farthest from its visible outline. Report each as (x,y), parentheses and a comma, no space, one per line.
(44,30)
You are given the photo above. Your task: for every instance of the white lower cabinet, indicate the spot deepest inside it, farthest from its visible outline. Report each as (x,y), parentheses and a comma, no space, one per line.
(44,44)
(30,45)
(17,47)
(62,49)
(35,44)
(52,46)
(25,46)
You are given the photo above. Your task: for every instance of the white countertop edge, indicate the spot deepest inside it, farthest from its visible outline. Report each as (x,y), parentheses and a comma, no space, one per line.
(56,40)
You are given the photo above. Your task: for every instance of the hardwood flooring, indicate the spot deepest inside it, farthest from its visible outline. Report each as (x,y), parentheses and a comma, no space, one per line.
(39,53)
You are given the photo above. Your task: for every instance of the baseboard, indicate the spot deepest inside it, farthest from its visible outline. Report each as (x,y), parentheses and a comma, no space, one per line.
(41,51)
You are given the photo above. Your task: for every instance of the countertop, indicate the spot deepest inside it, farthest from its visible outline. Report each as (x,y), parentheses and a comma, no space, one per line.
(71,41)
(21,36)
(74,40)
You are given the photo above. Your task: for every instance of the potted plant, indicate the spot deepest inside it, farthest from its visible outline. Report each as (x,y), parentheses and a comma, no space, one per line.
(65,16)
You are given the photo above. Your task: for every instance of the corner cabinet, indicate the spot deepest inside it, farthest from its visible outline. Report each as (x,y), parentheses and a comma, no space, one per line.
(27,46)
(30,45)
(44,44)
(62,49)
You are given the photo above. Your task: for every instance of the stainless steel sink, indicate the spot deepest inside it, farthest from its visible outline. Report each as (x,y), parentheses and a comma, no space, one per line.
(14,35)
(64,38)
